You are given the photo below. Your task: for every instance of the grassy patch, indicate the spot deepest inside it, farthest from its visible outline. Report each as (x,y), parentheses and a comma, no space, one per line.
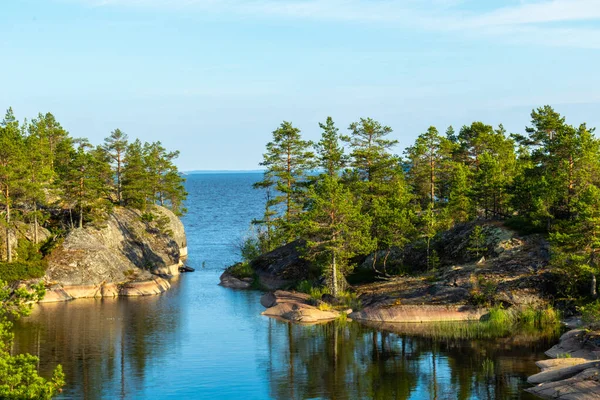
(21,270)
(241,270)
(590,313)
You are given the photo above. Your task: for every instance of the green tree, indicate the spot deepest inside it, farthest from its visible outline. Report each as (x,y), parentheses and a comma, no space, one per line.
(460,207)
(85,184)
(288,162)
(393,217)
(136,187)
(11,170)
(370,156)
(477,241)
(165,181)
(330,153)
(19,378)
(38,160)
(429,162)
(115,146)
(576,243)
(335,229)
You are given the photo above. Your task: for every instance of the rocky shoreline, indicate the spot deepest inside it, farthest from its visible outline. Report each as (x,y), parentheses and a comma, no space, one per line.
(127,256)
(573,372)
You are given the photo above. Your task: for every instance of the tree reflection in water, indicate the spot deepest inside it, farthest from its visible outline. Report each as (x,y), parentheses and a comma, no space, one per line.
(100,348)
(348,361)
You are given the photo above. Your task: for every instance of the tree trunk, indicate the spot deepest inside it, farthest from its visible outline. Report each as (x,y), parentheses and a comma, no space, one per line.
(8,249)
(593,291)
(119,194)
(35,223)
(334,276)
(80,216)
(387,254)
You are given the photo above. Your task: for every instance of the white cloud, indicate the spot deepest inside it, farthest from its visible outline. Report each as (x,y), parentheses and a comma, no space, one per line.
(547,22)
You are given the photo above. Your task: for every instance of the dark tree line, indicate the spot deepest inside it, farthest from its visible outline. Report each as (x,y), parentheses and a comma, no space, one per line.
(350,195)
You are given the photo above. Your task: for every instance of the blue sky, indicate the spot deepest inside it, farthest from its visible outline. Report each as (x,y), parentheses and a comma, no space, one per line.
(214,78)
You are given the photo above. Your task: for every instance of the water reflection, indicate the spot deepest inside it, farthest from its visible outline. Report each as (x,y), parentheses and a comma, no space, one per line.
(344,361)
(104,345)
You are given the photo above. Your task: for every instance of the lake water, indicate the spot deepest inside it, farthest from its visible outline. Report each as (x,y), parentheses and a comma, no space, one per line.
(202,341)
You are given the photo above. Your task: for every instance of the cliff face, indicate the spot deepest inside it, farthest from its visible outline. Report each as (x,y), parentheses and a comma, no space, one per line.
(126,256)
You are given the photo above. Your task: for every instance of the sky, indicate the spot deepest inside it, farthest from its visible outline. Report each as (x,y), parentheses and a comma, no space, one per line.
(214,78)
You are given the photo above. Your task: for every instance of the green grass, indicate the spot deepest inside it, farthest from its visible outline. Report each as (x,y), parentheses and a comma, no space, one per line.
(590,313)
(20,270)
(488,367)
(241,270)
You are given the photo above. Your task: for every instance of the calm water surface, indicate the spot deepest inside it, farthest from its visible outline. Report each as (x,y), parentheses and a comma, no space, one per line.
(201,341)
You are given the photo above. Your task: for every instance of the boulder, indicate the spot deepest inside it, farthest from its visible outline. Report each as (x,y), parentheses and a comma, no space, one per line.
(230,281)
(570,378)
(295,307)
(282,267)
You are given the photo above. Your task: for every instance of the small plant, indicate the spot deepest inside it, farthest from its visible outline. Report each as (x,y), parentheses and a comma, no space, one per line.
(488,368)
(147,217)
(477,245)
(304,287)
(483,291)
(349,299)
(564,355)
(590,313)
(325,307)
(316,293)
(241,270)
(342,319)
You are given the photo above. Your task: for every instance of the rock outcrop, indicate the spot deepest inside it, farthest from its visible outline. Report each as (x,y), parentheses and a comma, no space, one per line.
(576,375)
(231,282)
(295,307)
(419,313)
(282,267)
(126,257)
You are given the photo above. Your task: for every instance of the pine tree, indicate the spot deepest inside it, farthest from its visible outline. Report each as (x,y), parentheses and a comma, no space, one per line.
(393,217)
(38,160)
(86,185)
(165,181)
(11,170)
(288,163)
(429,162)
(460,207)
(370,154)
(330,153)
(136,188)
(335,229)
(115,146)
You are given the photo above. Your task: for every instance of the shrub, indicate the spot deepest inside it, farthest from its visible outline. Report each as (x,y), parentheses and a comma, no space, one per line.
(349,300)
(241,270)
(590,313)
(304,287)
(21,270)
(316,293)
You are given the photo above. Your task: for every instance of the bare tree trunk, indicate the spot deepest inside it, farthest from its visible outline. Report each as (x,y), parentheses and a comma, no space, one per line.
(8,249)
(334,276)
(35,223)
(593,291)
(387,254)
